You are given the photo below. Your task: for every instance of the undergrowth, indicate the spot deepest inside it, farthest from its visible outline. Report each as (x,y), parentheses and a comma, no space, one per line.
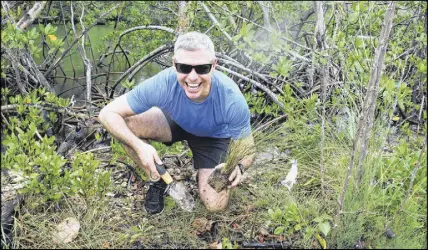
(303,217)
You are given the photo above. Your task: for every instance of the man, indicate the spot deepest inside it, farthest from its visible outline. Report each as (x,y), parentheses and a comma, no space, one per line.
(189,101)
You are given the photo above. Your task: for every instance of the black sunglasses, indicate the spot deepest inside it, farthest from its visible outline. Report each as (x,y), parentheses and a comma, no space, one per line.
(200,69)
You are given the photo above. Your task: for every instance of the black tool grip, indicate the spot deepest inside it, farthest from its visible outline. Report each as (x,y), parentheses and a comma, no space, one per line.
(160,168)
(163,173)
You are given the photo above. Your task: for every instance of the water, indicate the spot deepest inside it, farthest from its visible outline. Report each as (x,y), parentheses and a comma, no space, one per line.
(67,88)
(179,193)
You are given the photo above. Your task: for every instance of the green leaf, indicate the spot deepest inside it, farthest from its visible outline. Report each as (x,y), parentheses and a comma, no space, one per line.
(318,219)
(325,228)
(353,18)
(42,28)
(279,230)
(359,42)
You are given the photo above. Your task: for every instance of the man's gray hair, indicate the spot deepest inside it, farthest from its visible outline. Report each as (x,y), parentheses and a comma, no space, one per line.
(193,41)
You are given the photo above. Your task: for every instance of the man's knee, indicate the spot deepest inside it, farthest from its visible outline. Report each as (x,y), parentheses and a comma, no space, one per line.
(216,207)
(213,201)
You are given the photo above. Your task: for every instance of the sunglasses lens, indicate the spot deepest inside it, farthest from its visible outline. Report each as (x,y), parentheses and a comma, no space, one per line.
(203,69)
(186,69)
(183,68)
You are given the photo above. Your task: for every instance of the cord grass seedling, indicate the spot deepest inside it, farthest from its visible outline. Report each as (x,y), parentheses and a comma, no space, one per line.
(261,140)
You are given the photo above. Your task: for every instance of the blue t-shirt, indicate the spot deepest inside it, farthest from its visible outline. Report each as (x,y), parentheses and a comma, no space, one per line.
(224,114)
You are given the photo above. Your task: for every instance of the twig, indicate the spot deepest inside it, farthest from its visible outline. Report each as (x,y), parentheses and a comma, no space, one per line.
(5,120)
(420,113)
(12,107)
(212,17)
(252,72)
(38,134)
(96,149)
(270,122)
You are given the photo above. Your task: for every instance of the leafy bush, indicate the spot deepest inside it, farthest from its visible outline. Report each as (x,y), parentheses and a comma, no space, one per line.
(35,157)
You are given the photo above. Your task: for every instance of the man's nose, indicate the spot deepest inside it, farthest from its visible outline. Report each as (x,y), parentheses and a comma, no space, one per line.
(193,75)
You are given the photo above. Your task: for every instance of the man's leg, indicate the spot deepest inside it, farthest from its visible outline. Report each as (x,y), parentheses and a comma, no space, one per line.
(207,154)
(212,200)
(151,124)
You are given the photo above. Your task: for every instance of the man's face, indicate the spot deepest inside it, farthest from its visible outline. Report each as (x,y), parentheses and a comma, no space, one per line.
(197,86)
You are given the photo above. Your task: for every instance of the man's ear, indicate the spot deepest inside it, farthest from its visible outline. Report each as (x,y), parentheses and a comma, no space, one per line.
(214,64)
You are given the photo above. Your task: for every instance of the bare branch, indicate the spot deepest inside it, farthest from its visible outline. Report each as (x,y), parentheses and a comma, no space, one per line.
(148,27)
(212,17)
(30,16)
(255,83)
(265,11)
(164,48)
(413,174)
(257,74)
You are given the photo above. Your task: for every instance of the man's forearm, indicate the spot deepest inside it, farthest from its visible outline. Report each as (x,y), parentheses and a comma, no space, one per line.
(248,161)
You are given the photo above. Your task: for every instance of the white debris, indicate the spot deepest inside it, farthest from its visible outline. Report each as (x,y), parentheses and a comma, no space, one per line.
(291,178)
(67,230)
(180,195)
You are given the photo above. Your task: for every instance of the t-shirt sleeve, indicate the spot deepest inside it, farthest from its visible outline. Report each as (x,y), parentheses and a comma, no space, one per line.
(149,93)
(239,119)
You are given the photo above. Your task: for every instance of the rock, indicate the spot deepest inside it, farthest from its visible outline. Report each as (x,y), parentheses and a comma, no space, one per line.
(269,154)
(389,233)
(202,225)
(178,177)
(263,231)
(216,245)
(67,230)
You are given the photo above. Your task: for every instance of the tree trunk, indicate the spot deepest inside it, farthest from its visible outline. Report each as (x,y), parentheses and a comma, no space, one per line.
(183,20)
(320,45)
(366,121)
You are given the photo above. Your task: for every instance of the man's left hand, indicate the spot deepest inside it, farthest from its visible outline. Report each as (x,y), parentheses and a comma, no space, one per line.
(235,177)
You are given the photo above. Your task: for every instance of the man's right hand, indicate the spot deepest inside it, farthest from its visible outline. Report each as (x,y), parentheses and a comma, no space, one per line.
(148,155)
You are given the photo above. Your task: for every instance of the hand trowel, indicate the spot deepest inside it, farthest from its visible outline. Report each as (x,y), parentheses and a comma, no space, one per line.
(176,190)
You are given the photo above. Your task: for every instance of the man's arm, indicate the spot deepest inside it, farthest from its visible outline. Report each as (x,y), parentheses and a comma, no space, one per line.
(236,176)
(113,117)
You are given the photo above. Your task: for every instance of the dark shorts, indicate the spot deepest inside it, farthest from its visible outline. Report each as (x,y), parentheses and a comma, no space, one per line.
(207,152)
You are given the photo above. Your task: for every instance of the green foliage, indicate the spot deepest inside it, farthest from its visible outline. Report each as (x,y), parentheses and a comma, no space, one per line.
(85,178)
(162,149)
(128,84)
(35,157)
(227,244)
(139,231)
(283,66)
(293,219)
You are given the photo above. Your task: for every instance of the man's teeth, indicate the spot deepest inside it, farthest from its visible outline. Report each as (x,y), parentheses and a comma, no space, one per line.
(193,86)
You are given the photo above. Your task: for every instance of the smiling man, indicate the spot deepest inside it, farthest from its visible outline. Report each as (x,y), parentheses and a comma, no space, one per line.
(189,101)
